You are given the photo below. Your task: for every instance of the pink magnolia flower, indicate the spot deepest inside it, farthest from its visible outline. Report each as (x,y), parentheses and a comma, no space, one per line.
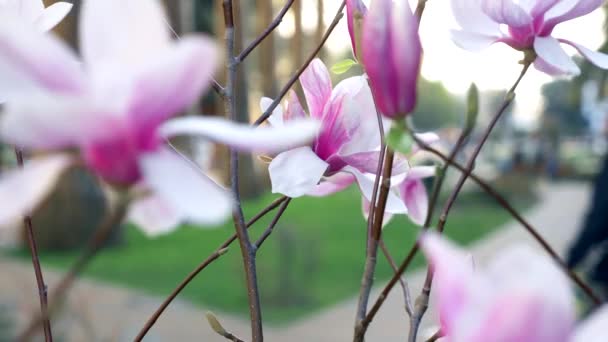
(347,146)
(525,25)
(520,296)
(33,12)
(112,109)
(391,55)
(355,12)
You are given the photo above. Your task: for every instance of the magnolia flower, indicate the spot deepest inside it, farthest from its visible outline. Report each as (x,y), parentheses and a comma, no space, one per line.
(391,55)
(525,25)
(411,189)
(32,12)
(355,12)
(112,108)
(521,296)
(346,148)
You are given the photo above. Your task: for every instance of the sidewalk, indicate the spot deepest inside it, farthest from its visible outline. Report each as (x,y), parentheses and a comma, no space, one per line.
(102,312)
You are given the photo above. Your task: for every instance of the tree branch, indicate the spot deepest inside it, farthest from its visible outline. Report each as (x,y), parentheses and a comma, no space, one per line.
(247,249)
(273,25)
(42,289)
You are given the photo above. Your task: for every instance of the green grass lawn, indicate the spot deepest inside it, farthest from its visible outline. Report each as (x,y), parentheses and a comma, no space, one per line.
(313,259)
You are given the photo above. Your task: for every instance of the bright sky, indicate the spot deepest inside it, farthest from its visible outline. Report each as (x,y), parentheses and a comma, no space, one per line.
(493,69)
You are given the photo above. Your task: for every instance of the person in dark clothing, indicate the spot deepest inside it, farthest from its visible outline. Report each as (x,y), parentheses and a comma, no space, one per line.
(594,235)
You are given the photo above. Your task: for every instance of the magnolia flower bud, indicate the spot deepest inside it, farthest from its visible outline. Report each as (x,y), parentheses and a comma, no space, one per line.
(355,12)
(391,53)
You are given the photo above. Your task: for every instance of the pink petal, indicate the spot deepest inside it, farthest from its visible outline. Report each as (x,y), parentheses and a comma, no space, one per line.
(359,117)
(332,184)
(506,12)
(186,191)
(551,54)
(540,306)
(354,8)
(30,60)
(471,18)
(122,32)
(24,189)
(52,15)
(597,58)
(294,109)
(414,195)
(296,172)
(454,279)
(316,83)
(276,119)
(48,121)
(593,329)
(244,137)
(366,162)
(175,80)
(153,216)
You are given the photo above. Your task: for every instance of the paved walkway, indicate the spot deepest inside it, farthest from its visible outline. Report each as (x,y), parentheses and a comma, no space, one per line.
(101,312)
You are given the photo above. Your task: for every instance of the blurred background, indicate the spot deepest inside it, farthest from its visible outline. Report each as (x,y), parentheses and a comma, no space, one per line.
(543,156)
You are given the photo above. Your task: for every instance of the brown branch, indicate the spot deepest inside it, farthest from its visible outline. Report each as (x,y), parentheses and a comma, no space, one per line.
(372,251)
(247,249)
(210,259)
(257,41)
(31,241)
(300,70)
(404,287)
(94,245)
(437,335)
(272,224)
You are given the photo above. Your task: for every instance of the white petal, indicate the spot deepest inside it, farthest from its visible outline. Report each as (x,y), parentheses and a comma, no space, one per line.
(394,204)
(276,119)
(244,137)
(549,50)
(473,42)
(471,18)
(296,172)
(593,329)
(124,32)
(185,189)
(47,120)
(22,190)
(52,15)
(598,58)
(153,216)
(332,184)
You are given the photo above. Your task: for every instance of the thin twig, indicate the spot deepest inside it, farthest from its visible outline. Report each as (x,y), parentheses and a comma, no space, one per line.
(272,224)
(247,249)
(42,289)
(101,235)
(210,259)
(300,70)
(406,291)
(257,41)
